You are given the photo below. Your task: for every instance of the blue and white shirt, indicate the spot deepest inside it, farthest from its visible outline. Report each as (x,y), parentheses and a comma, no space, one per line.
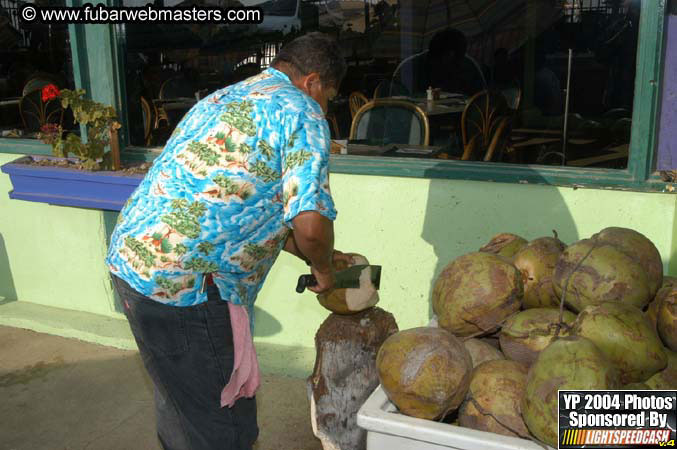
(241,164)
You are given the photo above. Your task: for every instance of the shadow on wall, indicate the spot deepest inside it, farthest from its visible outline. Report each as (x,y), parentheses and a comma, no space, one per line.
(109,220)
(7,291)
(462,216)
(266,324)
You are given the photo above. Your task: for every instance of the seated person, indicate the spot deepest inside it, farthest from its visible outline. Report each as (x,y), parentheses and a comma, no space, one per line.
(444,65)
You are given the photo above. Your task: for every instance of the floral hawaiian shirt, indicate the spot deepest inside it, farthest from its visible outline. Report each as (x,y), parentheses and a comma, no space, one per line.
(241,164)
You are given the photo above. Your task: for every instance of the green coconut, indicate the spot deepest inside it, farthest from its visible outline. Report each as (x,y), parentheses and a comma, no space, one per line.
(481,351)
(475,293)
(666,319)
(626,338)
(351,300)
(504,244)
(606,275)
(537,262)
(494,399)
(667,378)
(571,362)
(424,371)
(669,281)
(525,334)
(638,247)
(667,289)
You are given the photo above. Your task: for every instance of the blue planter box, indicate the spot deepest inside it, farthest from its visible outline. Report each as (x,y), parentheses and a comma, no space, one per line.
(69,187)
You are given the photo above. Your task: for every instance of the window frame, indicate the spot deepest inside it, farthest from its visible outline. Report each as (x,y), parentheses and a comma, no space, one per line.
(98,67)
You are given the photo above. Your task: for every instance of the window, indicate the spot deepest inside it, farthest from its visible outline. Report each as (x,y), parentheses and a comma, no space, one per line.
(168,68)
(32,56)
(606,139)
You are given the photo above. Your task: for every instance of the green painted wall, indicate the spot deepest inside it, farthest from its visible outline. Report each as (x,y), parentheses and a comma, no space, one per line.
(51,255)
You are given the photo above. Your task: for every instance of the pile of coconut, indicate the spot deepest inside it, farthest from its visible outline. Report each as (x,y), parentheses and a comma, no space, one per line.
(518,320)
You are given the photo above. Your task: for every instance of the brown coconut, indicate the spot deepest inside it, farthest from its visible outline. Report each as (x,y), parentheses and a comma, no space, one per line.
(475,293)
(667,378)
(537,262)
(666,319)
(351,300)
(424,371)
(481,351)
(494,399)
(504,244)
(525,334)
(607,274)
(638,247)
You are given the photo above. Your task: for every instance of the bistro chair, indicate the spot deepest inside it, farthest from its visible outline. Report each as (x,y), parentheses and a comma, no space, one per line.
(497,144)
(38,81)
(34,113)
(148,120)
(481,116)
(391,121)
(388,88)
(356,100)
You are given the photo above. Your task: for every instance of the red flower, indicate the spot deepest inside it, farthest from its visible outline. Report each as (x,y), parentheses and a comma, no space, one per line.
(50,92)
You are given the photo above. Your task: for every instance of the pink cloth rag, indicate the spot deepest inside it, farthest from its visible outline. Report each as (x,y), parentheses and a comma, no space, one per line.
(246,376)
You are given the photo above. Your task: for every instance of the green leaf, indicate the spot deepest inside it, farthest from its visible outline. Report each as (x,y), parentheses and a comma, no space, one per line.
(165,247)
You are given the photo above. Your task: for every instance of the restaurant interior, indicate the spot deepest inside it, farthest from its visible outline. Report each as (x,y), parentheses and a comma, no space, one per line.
(547,82)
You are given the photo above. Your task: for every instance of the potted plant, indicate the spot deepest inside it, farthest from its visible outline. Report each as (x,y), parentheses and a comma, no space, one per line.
(81,172)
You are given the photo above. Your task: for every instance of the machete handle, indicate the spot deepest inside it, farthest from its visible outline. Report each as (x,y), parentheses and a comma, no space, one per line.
(304,282)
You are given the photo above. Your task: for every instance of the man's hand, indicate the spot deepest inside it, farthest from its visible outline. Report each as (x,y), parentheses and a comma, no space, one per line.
(340,256)
(325,280)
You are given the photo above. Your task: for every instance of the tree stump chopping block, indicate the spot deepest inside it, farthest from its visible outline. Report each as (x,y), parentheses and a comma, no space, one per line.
(345,375)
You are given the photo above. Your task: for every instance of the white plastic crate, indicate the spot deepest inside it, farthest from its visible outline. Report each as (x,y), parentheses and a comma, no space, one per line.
(389,430)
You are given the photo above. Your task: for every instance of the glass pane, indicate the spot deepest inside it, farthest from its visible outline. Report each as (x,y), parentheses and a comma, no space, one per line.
(169,67)
(32,56)
(506,63)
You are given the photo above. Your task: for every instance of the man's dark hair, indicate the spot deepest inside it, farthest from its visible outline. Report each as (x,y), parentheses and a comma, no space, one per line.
(448,40)
(314,52)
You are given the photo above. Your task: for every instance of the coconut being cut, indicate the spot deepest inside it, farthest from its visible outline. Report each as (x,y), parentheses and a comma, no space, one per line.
(352,300)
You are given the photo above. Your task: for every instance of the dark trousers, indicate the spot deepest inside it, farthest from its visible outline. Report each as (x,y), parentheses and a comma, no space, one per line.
(188,353)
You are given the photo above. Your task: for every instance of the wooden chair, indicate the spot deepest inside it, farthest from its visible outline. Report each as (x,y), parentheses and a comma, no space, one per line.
(333,124)
(356,100)
(389,88)
(481,117)
(34,114)
(392,121)
(148,120)
(498,144)
(38,81)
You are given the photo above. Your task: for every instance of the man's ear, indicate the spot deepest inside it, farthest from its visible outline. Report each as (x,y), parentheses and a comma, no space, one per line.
(309,83)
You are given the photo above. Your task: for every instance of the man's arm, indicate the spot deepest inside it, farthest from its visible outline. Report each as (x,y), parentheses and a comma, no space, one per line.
(314,238)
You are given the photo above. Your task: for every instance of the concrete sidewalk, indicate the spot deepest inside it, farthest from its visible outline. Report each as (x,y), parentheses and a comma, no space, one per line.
(60,393)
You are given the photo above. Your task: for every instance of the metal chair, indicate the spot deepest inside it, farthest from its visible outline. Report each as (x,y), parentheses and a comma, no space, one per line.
(356,100)
(391,122)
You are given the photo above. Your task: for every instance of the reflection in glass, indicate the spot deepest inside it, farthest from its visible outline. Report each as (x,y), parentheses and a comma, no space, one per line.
(525,51)
(32,56)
